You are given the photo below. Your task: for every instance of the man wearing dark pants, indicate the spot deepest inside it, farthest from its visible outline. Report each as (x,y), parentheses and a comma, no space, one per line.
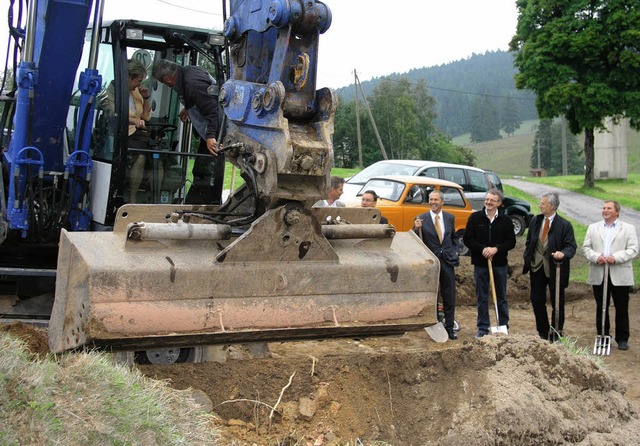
(437,231)
(490,235)
(198,93)
(550,241)
(614,243)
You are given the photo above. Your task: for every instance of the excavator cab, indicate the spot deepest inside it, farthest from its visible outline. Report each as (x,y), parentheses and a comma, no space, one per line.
(163,165)
(51,192)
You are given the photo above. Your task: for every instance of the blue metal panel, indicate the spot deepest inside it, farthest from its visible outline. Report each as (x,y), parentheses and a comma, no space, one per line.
(61,26)
(45,86)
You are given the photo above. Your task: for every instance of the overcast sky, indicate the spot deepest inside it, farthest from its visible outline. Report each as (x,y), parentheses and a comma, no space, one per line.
(374,37)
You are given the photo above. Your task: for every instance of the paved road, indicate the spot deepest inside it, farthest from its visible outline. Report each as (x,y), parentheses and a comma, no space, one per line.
(581,208)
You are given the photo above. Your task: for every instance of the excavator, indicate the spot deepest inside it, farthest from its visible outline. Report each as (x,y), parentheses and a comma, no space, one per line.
(164,279)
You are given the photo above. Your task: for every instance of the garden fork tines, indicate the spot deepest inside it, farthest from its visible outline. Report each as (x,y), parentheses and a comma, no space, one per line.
(602,345)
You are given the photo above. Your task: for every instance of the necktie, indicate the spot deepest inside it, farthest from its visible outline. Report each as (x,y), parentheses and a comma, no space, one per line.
(545,229)
(438,229)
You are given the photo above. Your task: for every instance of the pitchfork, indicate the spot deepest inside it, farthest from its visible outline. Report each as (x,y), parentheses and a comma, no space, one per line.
(602,345)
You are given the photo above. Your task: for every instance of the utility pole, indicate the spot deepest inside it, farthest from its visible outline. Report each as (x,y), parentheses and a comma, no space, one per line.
(375,127)
(355,84)
(563,123)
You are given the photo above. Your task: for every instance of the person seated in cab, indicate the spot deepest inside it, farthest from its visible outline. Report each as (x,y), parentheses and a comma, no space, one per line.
(139,113)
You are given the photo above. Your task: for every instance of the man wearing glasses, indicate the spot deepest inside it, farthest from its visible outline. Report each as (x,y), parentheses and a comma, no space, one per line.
(490,235)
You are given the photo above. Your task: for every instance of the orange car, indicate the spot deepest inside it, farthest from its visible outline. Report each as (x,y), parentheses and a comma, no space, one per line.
(402,198)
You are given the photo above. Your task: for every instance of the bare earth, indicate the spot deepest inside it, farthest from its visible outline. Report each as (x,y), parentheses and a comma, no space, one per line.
(409,390)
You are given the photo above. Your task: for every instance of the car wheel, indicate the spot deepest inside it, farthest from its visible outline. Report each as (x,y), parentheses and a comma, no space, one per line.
(519,224)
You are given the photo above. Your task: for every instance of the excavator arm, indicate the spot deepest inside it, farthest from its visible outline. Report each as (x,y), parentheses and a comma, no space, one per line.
(264,265)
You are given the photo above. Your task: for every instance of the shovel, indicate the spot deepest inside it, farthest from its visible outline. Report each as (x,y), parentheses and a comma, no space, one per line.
(554,332)
(499,328)
(602,345)
(437,332)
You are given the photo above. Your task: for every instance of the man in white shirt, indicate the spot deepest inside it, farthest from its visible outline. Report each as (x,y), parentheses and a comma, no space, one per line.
(615,243)
(335,191)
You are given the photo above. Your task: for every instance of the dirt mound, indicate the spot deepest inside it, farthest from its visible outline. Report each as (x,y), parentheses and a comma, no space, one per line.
(35,337)
(515,390)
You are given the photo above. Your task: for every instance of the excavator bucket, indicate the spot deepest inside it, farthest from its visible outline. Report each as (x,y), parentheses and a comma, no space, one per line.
(167,283)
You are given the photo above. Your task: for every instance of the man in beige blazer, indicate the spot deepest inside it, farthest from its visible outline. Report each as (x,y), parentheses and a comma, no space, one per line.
(615,243)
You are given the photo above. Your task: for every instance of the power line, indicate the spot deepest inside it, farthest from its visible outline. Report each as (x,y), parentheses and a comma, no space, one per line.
(519,98)
(189,9)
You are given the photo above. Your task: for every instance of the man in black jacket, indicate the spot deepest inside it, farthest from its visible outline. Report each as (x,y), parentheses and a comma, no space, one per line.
(550,242)
(490,235)
(437,230)
(198,93)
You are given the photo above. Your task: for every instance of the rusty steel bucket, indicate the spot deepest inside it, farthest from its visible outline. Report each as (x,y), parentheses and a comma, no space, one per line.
(163,284)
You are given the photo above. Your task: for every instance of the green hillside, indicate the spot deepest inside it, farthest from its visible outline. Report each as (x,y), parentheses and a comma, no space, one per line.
(511,156)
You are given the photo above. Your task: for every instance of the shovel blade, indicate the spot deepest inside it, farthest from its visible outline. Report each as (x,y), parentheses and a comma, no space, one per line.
(602,346)
(437,332)
(500,329)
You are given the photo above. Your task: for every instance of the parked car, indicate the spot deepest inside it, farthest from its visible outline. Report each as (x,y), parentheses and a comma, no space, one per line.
(402,198)
(474,181)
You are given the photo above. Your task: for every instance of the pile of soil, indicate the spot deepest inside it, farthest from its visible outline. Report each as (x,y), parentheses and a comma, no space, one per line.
(409,390)
(516,390)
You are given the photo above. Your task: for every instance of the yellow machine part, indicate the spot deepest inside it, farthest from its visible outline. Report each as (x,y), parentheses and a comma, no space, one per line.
(166,284)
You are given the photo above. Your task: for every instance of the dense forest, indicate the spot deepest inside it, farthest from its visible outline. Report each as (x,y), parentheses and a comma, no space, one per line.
(466,88)
(415,115)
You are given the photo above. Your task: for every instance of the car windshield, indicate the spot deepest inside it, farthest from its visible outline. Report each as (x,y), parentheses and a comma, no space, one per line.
(382,169)
(389,190)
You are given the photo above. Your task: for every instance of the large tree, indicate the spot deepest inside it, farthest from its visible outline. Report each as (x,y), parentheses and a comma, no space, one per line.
(582,59)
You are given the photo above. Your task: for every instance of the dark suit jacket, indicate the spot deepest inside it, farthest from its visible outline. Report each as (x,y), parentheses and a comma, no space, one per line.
(447,251)
(560,238)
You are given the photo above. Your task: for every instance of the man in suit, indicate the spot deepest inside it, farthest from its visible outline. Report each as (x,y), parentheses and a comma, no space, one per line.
(550,242)
(614,243)
(437,230)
